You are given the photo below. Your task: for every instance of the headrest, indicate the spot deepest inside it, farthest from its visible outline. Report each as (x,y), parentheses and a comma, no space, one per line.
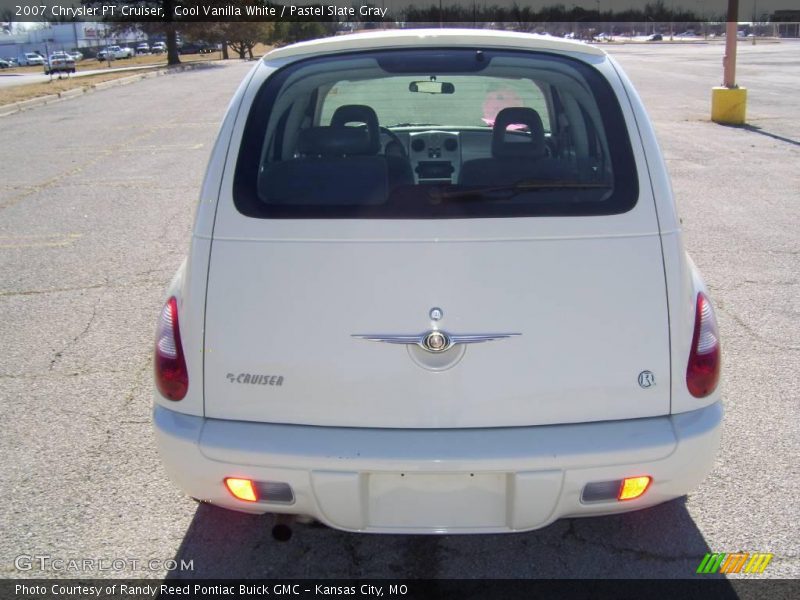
(359,113)
(529,148)
(333,141)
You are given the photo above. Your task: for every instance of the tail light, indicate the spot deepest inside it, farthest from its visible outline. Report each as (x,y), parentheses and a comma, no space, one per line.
(172,378)
(702,373)
(633,487)
(243,489)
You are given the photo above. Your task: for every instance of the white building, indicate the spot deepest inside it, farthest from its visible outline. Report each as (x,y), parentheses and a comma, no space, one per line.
(63,36)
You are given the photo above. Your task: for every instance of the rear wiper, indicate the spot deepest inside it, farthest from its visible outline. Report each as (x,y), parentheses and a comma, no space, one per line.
(509,191)
(412,125)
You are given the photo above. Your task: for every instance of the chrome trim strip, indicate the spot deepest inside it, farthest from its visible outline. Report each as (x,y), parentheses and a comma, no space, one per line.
(390,338)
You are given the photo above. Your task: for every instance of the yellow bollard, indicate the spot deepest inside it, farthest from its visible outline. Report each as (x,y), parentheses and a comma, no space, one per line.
(728,105)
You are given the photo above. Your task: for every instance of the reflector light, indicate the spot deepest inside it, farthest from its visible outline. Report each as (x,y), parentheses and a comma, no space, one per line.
(702,372)
(601,491)
(172,378)
(633,487)
(275,491)
(243,489)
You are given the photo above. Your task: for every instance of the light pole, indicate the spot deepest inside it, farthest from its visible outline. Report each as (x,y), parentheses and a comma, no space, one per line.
(108,54)
(599,26)
(671,21)
(729,101)
(47,65)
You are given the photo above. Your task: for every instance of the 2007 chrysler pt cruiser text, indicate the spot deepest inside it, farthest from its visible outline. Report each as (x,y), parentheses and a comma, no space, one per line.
(437,284)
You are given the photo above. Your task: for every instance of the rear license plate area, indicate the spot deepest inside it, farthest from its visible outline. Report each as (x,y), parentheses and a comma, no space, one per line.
(436,500)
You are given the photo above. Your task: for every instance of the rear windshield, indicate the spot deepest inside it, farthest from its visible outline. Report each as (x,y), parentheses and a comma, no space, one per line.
(419,134)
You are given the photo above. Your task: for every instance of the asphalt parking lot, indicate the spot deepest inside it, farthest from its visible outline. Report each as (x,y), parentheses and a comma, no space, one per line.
(96,202)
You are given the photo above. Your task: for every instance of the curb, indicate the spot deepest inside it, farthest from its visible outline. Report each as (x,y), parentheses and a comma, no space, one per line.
(22,105)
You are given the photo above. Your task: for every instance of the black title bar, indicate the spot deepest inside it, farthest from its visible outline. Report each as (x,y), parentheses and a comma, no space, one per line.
(700,588)
(465,12)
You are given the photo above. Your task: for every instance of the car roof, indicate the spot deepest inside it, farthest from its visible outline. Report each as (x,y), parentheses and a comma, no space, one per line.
(414,38)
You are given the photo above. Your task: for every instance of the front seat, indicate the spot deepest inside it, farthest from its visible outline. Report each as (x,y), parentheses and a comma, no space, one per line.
(398,167)
(514,157)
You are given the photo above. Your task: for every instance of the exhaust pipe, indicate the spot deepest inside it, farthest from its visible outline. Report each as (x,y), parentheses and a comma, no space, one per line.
(282,529)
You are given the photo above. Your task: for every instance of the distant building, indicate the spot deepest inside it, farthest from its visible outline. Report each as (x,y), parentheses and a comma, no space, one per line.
(787,22)
(63,36)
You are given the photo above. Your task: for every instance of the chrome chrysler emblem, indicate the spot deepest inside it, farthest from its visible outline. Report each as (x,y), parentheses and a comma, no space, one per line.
(436,341)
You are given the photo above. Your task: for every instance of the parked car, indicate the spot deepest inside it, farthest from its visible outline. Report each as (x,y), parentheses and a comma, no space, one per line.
(29,59)
(76,55)
(59,62)
(158,48)
(197,48)
(4,64)
(656,37)
(115,52)
(143,48)
(396,319)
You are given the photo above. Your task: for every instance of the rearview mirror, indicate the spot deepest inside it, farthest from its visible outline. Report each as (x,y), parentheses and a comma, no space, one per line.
(431,87)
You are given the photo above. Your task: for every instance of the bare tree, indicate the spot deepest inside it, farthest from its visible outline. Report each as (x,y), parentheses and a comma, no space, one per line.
(242,36)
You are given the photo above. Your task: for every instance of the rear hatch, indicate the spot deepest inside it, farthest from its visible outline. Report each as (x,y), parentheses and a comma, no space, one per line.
(295,299)
(282,313)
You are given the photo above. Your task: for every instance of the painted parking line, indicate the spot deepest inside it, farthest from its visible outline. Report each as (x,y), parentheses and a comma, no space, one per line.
(54,240)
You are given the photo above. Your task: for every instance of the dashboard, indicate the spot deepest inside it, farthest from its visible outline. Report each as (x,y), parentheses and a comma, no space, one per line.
(436,155)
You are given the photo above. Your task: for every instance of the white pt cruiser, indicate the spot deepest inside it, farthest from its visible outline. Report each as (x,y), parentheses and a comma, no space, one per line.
(437,284)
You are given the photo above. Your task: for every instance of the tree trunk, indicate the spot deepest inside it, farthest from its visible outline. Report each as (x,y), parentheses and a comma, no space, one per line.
(170,33)
(224,50)
(250,51)
(173,58)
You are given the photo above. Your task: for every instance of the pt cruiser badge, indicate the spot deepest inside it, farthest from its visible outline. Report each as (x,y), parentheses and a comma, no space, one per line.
(435,340)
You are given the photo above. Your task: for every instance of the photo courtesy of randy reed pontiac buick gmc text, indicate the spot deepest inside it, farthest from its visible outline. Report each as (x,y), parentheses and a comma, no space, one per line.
(437,284)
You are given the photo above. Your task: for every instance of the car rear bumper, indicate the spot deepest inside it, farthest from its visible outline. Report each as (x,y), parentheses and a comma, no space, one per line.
(438,481)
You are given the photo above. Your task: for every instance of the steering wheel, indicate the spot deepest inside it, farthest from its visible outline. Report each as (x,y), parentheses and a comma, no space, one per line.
(394,138)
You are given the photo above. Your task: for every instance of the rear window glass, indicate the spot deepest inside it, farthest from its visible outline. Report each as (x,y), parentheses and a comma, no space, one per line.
(478,101)
(413,134)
